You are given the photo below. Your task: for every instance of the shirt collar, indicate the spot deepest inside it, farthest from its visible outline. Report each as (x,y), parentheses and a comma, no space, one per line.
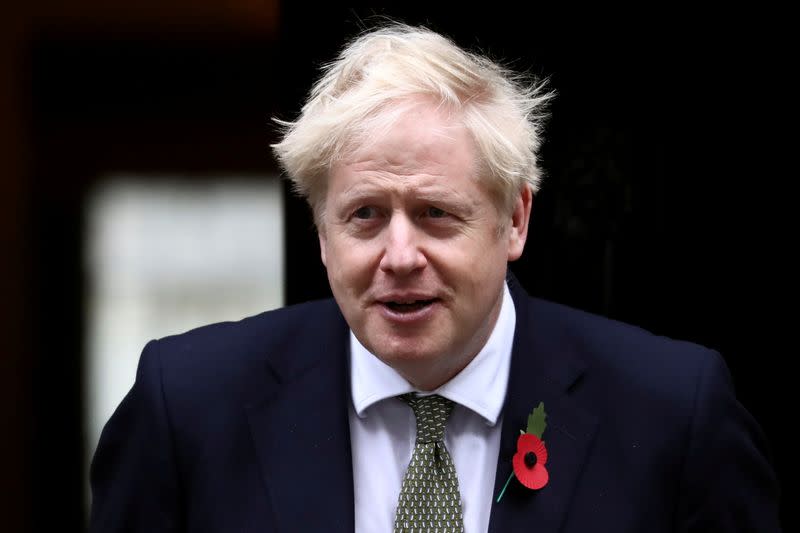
(480,386)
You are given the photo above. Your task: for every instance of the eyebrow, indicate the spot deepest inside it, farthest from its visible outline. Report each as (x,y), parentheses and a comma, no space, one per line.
(448,199)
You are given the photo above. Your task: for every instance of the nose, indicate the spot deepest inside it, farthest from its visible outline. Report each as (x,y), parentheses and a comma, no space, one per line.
(402,254)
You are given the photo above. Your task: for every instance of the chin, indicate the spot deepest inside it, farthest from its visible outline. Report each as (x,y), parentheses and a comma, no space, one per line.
(401,354)
(397,352)
(420,361)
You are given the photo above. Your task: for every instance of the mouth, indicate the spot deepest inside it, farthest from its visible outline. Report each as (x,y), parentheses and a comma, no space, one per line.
(409,306)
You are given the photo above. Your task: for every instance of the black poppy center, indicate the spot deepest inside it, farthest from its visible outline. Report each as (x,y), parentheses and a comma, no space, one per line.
(530,459)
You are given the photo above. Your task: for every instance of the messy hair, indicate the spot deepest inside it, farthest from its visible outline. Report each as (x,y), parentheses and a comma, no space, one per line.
(378,72)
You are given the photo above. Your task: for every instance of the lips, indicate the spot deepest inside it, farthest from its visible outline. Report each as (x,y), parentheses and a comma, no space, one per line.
(408,306)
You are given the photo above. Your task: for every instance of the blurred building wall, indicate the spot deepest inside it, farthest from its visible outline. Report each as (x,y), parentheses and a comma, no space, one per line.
(22,26)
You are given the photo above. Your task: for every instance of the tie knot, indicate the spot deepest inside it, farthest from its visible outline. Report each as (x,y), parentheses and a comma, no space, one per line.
(432,413)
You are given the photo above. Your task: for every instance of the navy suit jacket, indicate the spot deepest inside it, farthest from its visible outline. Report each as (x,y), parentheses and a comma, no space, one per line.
(243,427)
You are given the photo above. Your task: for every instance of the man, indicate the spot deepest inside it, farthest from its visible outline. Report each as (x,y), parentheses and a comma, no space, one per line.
(400,405)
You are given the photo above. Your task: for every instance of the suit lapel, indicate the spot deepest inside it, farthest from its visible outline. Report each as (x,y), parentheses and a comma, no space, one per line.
(543,368)
(301,432)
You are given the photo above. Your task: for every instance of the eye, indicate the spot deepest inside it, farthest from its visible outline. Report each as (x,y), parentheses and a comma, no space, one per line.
(435,212)
(364,213)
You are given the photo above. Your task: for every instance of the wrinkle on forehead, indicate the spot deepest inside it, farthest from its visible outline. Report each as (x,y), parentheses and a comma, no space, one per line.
(420,155)
(421,187)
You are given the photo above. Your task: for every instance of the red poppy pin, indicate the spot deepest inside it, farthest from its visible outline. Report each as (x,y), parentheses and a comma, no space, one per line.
(531,457)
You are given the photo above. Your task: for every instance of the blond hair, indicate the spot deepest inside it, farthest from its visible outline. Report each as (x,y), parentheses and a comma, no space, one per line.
(365,87)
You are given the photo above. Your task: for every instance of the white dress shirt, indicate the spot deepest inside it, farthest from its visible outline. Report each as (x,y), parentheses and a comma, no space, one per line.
(383,429)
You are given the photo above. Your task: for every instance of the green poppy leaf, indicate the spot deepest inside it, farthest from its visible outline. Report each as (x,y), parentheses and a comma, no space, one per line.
(536,421)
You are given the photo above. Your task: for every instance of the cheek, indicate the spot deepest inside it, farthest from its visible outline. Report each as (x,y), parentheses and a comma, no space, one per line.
(480,273)
(475,259)
(348,266)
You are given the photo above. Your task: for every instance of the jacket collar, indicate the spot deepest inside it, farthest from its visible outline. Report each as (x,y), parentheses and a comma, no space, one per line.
(301,432)
(545,366)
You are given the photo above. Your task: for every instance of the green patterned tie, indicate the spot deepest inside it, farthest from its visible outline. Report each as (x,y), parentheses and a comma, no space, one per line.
(429,499)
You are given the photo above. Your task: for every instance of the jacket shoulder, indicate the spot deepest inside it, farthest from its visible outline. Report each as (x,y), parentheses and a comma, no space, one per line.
(254,332)
(637,359)
(220,357)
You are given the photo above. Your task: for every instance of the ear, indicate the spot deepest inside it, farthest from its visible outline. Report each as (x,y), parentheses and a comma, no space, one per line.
(322,245)
(520,216)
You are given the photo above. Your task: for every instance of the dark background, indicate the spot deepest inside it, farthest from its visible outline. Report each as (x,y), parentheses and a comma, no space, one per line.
(664,204)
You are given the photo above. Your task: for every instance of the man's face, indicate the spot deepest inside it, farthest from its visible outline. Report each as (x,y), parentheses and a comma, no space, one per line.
(412,246)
